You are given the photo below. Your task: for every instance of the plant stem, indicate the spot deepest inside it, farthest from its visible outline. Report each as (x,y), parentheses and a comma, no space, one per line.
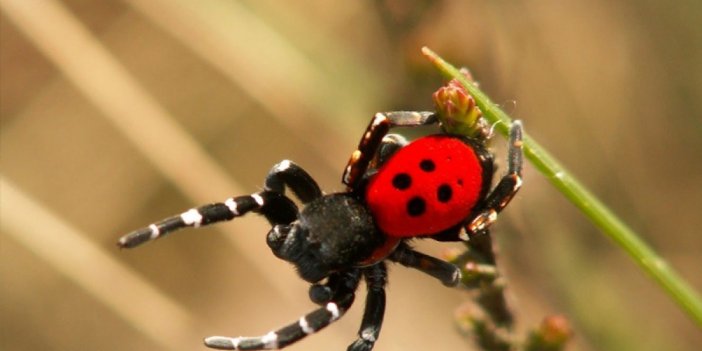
(613,227)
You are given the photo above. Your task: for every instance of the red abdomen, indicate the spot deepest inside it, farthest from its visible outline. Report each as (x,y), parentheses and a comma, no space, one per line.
(428,186)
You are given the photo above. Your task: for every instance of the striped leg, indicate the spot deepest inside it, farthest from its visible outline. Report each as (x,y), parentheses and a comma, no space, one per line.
(297,179)
(321,293)
(505,190)
(376,278)
(445,272)
(275,206)
(306,325)
(373,137)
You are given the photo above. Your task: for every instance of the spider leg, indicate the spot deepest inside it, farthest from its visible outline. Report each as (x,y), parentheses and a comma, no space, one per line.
(507,187)
(373,137)
(321,293)
(390,144)
(287,173)
(444,271)
(376,278)
(306,325)
(273,205)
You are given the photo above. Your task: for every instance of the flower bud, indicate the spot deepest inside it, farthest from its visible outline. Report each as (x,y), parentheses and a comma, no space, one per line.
(457,109)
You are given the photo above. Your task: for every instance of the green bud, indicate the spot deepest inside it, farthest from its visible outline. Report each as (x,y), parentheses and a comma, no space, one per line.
(457,110)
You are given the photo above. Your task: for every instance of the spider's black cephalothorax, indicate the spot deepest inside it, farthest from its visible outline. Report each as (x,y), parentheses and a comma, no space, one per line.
(316,243)
(395,192)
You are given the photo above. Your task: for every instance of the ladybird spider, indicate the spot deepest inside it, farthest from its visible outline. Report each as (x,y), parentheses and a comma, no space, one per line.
(437,186)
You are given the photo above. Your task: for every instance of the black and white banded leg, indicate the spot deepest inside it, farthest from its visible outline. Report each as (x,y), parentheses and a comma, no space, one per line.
(306,325)
(287,173)
(321,293)
(376,278)
(505,190)
(445,272)
(373,138)
(275,206)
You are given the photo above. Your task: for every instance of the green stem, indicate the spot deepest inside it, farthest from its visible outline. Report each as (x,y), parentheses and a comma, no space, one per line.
(598,213)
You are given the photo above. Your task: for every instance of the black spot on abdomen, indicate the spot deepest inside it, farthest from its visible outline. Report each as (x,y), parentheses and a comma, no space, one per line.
(416,206)
(427,165)
(444,193)
(401,181)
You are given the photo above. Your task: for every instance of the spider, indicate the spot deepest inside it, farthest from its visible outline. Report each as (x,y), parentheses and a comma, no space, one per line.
(438,186)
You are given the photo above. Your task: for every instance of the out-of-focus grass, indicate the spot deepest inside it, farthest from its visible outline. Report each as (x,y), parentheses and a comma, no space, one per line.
(612,89)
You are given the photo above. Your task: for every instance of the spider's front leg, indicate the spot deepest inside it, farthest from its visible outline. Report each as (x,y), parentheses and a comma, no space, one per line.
(308,324)
(321,293)
(271,203)
(376,279)
(288,173)
(274,205)
(505,190)
(373,138)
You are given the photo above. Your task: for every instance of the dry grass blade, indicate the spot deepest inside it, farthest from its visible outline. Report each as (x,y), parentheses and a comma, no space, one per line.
(67,250)
(293,93)
(88,65)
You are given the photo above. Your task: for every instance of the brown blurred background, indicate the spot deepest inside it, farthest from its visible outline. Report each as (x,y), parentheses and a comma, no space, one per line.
(119,113)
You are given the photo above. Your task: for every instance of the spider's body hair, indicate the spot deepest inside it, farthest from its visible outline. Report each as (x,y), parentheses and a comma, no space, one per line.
(332,232)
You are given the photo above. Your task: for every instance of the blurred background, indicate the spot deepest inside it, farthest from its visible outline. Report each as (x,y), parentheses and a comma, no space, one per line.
(118,113)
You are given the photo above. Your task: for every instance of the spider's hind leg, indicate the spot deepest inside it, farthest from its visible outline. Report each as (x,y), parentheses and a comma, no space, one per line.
(445,272)
(390,144)
(373,137)
(505,190)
